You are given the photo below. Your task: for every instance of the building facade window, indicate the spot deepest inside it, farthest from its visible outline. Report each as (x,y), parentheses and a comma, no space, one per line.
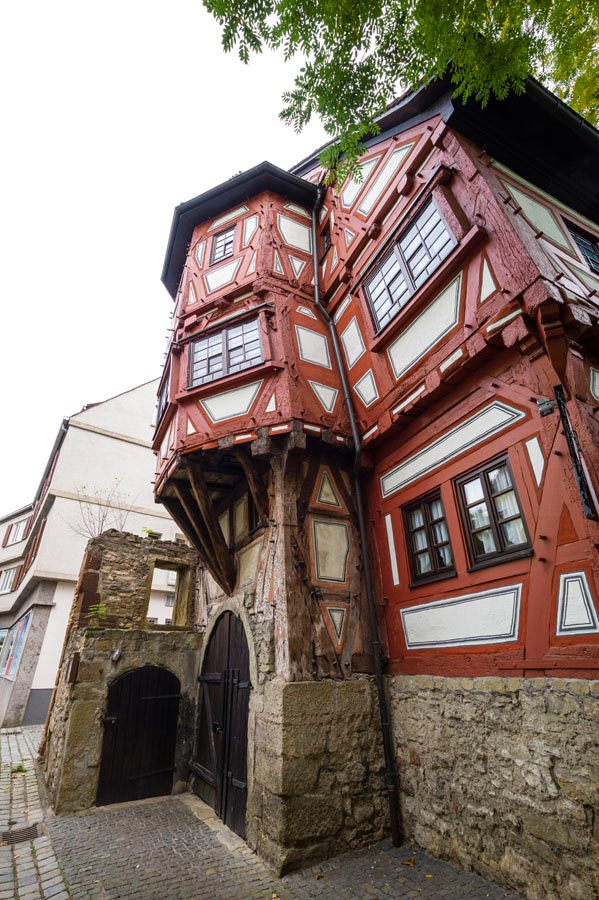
(420,249)
(588,244)
(169,600)
(16,532)
(13,646)
(429,549)
(7,579)
(162,399)
(493,521)
(225,352)
(222,245)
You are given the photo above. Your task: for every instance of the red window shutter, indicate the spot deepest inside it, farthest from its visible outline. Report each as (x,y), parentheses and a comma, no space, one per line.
(6,536)
(19,577)
(28,527)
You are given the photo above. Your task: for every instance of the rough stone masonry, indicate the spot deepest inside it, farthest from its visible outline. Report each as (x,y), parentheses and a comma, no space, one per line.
(502,776)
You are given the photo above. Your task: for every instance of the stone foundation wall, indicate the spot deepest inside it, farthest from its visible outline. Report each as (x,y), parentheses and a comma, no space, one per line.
(75,729)
(315,783)
(502,776)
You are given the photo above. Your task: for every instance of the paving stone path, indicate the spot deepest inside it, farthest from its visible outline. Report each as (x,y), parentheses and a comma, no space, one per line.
(174,848)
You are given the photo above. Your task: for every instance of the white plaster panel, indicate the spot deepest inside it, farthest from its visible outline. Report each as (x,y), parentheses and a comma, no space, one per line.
(594,382)
(295,234)
(304,311)
(278,266)
(229,404)
(299,210)
(576,612)
(248,560)
(450,360)
(313,347)
(337,615)
(349,236)
(297,265)
(200,250)
(331,550)
(272,404)
(353,185)
(537,460)
(228,217)
(249,229)
(383,178)
(366,388)
(488,421)
(252,265)
(326,492)
(217,278)
(327,395)
(488,617)
(426,330)
(392,553)
(588,279)
(541,218)
(191,297)
(487,285)
(341,309)
(353,343)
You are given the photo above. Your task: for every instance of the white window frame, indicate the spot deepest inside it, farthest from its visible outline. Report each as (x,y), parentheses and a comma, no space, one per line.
(6,583)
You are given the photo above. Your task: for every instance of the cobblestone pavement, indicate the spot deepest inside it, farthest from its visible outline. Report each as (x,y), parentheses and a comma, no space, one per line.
(29,869)
(174,848)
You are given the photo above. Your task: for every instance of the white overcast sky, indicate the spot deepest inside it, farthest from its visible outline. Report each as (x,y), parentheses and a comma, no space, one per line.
(111,115)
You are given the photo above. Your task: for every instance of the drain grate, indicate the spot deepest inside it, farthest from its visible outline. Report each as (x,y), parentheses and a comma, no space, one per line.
(20,834)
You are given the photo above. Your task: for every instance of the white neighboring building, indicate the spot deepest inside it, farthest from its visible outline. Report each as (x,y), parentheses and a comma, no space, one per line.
(103,454)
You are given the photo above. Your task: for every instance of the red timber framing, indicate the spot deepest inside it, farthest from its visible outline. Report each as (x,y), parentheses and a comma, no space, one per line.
(491,304)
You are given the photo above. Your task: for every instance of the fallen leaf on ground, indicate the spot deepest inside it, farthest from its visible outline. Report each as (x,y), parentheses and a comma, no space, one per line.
(319,875)
(428,876)
(409,862)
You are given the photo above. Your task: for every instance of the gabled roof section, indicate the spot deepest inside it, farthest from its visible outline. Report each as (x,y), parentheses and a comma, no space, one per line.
(534,133)
(263,177)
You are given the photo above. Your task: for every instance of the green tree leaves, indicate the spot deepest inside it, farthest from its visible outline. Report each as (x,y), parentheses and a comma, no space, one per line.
(359,54)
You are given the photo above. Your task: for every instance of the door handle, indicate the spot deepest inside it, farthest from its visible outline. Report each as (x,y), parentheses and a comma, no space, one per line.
(216,727)
(109,720)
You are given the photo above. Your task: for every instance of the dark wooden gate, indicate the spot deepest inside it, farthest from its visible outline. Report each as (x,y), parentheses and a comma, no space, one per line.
(140,731)
(220,763)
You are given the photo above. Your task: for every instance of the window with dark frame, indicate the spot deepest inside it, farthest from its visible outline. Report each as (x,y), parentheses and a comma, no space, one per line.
(419,250)
(222,245)
(588,244)
(429,548)
(491,512)
(162,399)
(225,352)
(326,241)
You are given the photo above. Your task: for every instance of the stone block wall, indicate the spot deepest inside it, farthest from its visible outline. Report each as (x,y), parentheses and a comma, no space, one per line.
(501,775)
(316,786)
(75,728)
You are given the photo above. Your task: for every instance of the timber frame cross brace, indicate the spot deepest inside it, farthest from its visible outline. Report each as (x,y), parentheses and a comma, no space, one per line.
(255,484)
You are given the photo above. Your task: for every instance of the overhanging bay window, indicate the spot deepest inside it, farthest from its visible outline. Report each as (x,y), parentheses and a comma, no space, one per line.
(225,352)
(419,250)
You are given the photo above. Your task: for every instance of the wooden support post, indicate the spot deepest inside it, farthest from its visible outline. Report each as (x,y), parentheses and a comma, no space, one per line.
(255,483)
(221,555)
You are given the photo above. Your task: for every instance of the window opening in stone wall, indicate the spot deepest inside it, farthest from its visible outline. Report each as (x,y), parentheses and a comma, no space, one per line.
(162,596)
(225,352)
(419,250)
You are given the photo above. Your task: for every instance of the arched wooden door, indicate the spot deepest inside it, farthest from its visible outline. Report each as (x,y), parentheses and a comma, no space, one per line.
(140,732)
(220,763)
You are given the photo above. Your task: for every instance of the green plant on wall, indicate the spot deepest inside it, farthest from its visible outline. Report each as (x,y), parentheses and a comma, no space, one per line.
(97,611)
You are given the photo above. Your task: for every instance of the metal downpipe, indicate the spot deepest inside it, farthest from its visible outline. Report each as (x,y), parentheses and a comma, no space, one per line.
(390,770)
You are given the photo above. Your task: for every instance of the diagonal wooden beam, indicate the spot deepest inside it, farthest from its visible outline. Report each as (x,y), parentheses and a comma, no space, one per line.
(221,554)
(197,532)
(255,484)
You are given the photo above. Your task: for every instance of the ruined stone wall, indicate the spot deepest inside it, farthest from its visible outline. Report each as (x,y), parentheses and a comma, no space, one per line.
(315,787)
(75,728)
(502,775)
(117,574)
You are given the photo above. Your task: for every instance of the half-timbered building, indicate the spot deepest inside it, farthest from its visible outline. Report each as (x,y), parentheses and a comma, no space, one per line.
(378,414)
